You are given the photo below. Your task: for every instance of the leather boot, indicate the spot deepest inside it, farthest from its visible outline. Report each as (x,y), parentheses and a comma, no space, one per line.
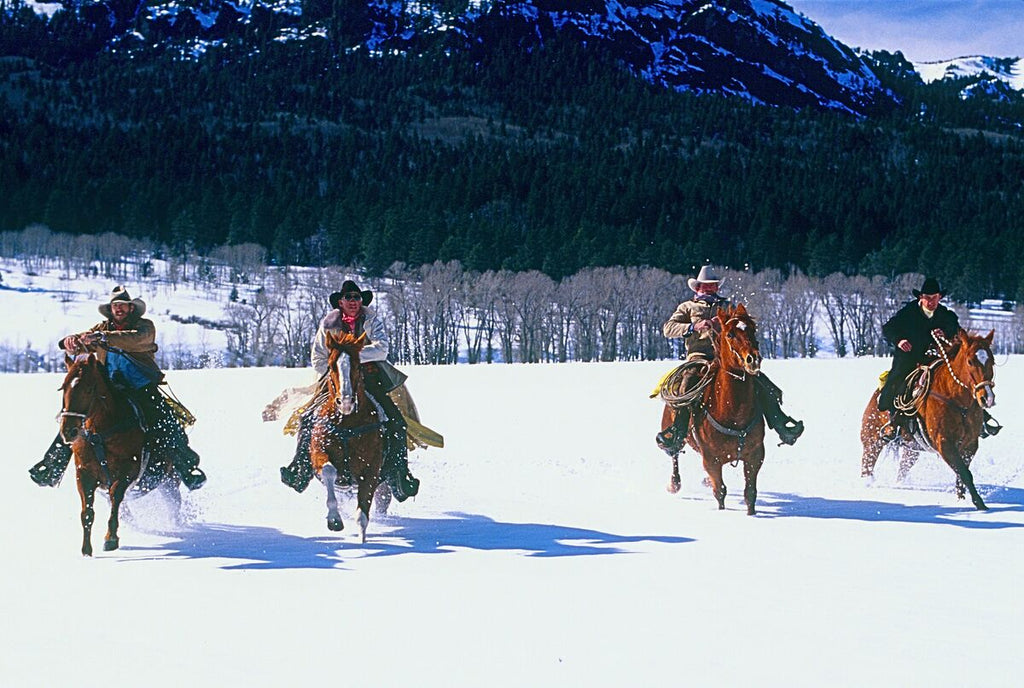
(671,439)
(989,425)
(49,471)
(299,472)
(402,483)
(891,430)
(769,399)
(186,463)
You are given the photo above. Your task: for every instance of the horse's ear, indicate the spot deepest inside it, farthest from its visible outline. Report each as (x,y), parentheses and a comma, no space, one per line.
(988,338)
(68,360)
(741,310)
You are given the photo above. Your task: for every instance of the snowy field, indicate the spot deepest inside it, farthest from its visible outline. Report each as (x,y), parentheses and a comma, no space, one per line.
(543,550)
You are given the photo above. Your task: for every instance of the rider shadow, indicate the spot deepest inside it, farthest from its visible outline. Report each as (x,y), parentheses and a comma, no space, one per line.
(260,548)
(890,512)
(245,548)
(482,533)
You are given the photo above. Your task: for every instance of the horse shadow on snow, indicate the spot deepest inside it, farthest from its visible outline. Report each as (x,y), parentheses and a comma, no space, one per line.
(1002,500)
(262,548)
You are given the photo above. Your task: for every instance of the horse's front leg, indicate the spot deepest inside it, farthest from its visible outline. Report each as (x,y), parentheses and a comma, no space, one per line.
(675,482)
(714,470)
(367,488)
(964,477)
(87,492)
(750,471)
(959,459)
(117,490)
(329,474)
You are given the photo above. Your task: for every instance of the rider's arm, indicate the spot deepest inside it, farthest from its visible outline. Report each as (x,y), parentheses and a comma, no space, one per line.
(680,324)
(378,348)
(142,339)
(318,351)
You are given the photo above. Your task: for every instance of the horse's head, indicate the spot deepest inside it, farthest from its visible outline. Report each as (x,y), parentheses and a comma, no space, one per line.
(84,386)
(974,356)
(345,377)
(737,341)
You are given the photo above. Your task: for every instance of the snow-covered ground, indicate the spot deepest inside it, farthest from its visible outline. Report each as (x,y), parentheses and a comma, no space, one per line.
(543,549)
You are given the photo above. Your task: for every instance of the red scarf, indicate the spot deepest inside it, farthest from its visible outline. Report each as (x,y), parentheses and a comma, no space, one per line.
(351,322)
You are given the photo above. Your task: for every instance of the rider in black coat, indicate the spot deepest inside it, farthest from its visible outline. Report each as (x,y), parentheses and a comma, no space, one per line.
(912,330)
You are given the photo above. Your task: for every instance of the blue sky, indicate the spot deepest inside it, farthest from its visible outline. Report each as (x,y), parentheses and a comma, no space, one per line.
(923,29)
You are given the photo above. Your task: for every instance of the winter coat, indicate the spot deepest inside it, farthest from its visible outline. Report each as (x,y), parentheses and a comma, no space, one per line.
(914,325)
(688,313)
(375,353)
(137,340)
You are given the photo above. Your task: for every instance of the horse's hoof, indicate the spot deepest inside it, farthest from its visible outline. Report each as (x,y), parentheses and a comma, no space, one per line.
(674,486)
(751,511)
(110,545)
(335,524)
(980,505)
(87,551)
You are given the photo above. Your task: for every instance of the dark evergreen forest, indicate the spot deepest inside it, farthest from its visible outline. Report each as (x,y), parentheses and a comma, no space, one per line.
(555,160)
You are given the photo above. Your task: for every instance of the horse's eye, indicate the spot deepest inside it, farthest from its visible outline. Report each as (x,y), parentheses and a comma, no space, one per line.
(731,335)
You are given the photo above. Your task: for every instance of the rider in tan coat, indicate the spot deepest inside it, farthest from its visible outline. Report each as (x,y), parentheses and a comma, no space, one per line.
(125,342)
(692,322)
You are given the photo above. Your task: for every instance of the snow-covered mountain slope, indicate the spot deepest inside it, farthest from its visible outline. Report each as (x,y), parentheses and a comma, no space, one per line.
(1009,71)
(760,50)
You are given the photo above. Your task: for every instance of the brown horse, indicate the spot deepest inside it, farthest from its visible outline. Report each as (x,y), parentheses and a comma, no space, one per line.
(106,440)
(950,413)
(347,431)
(728,425)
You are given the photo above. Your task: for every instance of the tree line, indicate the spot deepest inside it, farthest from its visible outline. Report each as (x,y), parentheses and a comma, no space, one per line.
(444,313)
(553,161)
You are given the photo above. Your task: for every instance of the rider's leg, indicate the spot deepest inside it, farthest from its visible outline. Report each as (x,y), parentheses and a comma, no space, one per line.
(299,472)
(395,469)
(671,439)
(769,398)
(49,471)
(166,438)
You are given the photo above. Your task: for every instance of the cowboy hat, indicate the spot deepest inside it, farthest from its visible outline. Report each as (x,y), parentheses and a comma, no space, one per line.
(350,287)
(930,286)
(706,275)
(120,294)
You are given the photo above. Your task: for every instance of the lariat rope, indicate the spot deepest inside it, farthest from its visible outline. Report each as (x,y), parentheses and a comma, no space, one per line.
(918,382)
(673,392)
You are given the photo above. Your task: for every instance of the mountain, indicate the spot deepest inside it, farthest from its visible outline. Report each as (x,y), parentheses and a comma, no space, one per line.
(992,76)
(760,50)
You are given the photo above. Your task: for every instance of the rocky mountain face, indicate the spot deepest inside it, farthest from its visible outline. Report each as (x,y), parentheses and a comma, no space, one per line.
(760,50)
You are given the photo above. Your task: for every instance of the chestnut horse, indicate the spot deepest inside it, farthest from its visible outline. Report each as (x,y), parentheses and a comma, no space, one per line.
(106,440)
(959,385)
(728,425)
(347,430)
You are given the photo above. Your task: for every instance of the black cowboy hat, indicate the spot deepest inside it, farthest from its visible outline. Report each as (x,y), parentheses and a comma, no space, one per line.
(930,286)
(350,287)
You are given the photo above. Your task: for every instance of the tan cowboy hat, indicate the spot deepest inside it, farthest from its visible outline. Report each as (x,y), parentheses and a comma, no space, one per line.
(706,275)
(121,294)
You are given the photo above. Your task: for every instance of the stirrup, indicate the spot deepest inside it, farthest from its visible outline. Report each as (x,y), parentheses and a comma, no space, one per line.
(790,434)
(990,428)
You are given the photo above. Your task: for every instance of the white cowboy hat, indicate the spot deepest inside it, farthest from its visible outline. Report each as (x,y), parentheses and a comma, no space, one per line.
(705,276)
(121,294)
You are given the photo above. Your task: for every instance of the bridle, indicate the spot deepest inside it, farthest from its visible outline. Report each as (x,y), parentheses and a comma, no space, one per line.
(984,384)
